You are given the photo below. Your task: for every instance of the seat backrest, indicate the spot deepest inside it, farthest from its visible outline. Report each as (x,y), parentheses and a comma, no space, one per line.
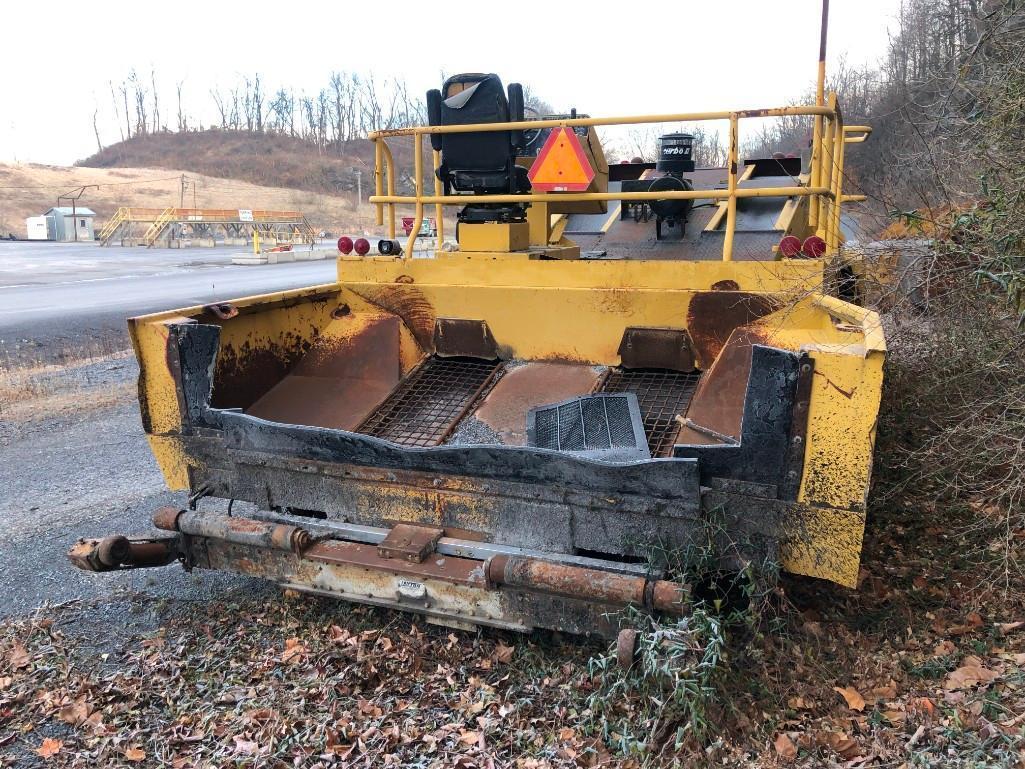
(475,98)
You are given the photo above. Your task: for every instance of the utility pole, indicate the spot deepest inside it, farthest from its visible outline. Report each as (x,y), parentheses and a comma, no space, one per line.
(181,197)
(359,197)
(73,196)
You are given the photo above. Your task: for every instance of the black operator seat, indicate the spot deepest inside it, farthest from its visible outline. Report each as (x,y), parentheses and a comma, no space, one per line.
(479,162)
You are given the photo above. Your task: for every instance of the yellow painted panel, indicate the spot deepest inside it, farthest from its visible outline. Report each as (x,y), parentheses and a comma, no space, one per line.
(804,275)
(824,543)
(170,454)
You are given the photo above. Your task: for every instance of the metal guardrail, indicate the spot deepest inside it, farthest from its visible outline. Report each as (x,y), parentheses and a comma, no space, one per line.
(159,218)
(824,187)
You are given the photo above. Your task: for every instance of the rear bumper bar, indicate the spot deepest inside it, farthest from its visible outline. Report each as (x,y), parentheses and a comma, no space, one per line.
(414,568)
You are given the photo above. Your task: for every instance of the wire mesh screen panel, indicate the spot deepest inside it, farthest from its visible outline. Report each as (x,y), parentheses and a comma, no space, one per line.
(428,403)
(661,395)
(602,426)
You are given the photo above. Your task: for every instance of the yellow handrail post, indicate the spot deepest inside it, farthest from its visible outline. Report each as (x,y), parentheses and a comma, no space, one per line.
(825,213)
(816,162)
(731,202)
(378,181)
(856,134)
(439,209)
(838,160)
(817,178)
(418,173)
(389,166)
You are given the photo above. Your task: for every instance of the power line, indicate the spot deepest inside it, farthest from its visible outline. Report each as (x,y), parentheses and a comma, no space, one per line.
(97,185)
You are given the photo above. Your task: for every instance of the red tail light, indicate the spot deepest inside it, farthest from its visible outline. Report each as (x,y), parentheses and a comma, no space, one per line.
(814,246)
(790,246)
(345,244)
(361,246)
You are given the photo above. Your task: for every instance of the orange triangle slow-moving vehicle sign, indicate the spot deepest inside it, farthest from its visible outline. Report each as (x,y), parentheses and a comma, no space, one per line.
(561,165)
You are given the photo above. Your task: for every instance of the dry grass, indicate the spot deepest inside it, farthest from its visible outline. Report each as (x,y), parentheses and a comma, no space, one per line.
(30,189)
(32,391)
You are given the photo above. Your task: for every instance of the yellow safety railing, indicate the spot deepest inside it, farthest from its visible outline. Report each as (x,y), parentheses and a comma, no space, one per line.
(153,232)
(120,216)
(824,186)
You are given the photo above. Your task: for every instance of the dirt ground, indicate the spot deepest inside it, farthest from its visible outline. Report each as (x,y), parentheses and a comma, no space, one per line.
(924,665)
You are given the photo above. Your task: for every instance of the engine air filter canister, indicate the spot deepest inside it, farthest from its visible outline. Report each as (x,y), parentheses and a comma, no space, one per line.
(675,153)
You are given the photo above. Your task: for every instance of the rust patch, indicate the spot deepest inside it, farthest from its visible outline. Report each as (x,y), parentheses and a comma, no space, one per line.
(222,310)
(411,543)
(713,316)
(349,370)
(589,584)
(455,337)
(245,372)
(446,568)
(718,402)
(534,384)
(410,304)
(848,394)
(665,348)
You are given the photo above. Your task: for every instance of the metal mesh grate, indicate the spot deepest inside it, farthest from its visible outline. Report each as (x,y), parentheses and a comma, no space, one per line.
(661,395)
(604,426)
(428,403)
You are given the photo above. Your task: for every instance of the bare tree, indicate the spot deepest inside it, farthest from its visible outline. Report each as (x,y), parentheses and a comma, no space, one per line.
(141,112)
(156,101)
(96,128)
(183,121)
(117,112)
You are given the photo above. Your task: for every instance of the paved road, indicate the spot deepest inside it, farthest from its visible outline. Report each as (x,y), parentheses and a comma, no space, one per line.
(42,280)
(59,298)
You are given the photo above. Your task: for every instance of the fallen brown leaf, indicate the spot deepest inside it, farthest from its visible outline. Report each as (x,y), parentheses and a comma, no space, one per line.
(841,744)
(246,746)
(504,653)
(852,696)
(944,648)
(1009,627)
(19,656)
(971,673)
(294,650)
(135,754)
(887,692)
(50,747)
(74,713)
(785,747)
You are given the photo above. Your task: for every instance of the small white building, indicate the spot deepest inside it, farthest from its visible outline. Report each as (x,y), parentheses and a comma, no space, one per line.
(36,227)
(66,224)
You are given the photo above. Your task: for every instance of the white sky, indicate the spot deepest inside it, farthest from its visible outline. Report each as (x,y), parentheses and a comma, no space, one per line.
(603,58)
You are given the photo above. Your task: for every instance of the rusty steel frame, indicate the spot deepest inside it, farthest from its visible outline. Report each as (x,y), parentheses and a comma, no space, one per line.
(508,587)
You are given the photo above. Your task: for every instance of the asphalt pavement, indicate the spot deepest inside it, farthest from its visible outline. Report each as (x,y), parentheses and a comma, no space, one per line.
(56,298)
